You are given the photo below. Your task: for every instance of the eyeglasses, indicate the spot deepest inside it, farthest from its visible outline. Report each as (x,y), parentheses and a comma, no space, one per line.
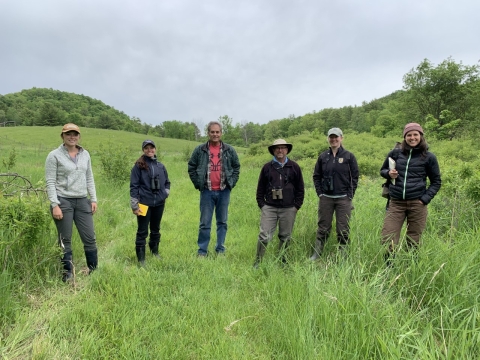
(281,148)
(72,133)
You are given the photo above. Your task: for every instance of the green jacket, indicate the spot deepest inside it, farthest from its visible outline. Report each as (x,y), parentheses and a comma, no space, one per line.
(199,163)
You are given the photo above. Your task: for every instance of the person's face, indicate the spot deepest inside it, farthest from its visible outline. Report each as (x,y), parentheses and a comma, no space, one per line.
(214,134)
(149,150)
(335,141)
(413,138)
(280,152)
(70,138)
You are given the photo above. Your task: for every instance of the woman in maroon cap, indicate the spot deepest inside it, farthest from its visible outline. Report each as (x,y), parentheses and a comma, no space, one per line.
(409,194)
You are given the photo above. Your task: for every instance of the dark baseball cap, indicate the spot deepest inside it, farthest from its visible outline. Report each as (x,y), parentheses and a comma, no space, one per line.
(148,142)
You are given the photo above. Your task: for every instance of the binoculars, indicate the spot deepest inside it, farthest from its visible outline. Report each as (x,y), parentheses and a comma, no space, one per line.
(328,183)
(277,194)
(155,184)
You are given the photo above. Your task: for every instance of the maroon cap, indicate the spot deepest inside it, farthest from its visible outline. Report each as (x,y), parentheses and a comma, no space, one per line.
(411,127)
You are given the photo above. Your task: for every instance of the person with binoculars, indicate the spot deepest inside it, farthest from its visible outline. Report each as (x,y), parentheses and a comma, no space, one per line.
(335,178)
(149,188)
(280,193)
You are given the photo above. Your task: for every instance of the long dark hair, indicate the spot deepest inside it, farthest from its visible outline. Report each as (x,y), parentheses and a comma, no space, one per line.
(141,163)
(422,146)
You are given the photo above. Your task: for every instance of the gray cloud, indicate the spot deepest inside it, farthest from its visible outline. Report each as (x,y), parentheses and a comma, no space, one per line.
(252,60)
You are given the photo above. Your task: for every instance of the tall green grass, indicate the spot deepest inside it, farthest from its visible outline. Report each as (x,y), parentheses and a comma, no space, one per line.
(182,307)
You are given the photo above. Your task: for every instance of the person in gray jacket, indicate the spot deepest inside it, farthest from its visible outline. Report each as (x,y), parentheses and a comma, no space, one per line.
(70,183)
(214,169)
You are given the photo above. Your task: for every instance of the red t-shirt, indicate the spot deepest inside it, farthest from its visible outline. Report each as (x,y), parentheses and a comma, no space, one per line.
(215,166)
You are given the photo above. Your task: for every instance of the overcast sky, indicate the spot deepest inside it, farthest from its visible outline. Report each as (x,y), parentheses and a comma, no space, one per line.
(253,60)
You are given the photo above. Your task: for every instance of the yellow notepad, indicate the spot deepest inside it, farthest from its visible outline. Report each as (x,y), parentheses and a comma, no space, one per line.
(143,209)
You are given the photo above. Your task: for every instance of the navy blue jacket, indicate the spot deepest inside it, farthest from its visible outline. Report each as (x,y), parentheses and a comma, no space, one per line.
(413,170)
(141,180)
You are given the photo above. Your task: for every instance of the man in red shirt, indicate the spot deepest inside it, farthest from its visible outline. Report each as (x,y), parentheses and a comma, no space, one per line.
(214,169)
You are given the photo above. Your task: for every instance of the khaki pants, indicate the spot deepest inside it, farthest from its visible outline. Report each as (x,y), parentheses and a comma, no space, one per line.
(271,216)
(414,211)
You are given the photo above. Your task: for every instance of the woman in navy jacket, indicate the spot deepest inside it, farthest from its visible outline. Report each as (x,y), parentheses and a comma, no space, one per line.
(409,196)
(150,186)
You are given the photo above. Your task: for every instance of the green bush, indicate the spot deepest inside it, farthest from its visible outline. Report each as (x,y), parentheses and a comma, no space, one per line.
(116,163)
(28,251)
(186,153)
(12,160)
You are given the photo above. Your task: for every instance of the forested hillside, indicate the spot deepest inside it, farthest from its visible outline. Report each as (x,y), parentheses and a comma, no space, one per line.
(445,99)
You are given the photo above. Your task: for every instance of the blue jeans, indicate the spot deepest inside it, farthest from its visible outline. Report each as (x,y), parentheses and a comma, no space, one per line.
(210,201)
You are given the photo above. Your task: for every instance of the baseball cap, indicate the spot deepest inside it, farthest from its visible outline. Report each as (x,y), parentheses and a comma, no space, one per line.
(70,127)
(335,131)
(148,142)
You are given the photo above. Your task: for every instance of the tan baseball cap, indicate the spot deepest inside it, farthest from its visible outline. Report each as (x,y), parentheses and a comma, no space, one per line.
(70,127)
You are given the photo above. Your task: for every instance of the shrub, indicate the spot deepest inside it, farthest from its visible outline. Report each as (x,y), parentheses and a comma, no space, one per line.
(116,163)
(12,159)
(28,253)
(186,153)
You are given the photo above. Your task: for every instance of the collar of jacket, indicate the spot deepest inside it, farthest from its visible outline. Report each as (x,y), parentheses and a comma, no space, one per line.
(222,145)
(275,161)
(149,159)
(339,151)
(64,148)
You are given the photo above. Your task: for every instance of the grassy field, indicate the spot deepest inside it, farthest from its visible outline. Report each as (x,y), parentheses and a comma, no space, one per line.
(182,307)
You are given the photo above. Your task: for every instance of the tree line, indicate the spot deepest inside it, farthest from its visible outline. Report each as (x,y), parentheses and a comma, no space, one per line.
(445,99)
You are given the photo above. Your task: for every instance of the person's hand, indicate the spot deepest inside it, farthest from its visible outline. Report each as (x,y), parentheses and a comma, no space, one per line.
(94,207)
(393,173)
(137,212)
(57,213)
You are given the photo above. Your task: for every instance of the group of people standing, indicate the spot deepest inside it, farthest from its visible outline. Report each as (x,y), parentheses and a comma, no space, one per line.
(214,169)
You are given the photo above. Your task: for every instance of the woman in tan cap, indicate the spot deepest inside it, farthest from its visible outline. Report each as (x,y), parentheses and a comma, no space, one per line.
(72,195)
(409,194)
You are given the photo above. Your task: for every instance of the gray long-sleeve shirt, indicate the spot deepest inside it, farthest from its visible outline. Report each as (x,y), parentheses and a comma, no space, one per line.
(67,178)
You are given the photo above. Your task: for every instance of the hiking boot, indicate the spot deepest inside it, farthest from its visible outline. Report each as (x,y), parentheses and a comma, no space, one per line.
(66,277)
(317,251)
(92,260)
(140,250)
(261,248)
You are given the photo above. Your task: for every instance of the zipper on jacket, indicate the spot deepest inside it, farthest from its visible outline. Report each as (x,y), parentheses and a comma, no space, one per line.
(406,174)
(153,176)
(75,163)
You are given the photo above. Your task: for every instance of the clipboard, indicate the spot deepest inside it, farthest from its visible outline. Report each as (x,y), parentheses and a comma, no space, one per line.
(143,209)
